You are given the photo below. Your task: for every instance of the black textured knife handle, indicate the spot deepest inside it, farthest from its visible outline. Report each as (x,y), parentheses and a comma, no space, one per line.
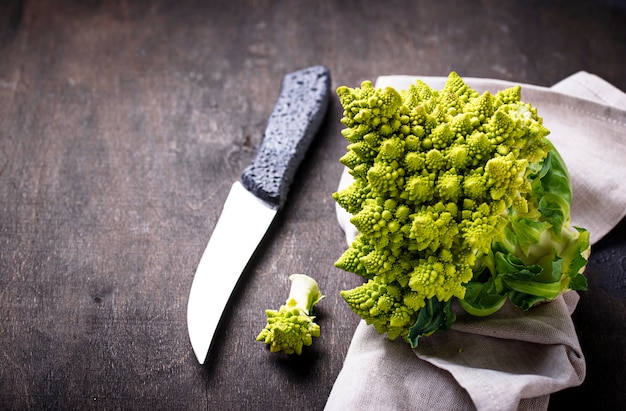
(296,118)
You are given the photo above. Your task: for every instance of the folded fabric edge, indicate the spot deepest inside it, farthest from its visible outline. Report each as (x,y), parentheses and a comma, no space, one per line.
(535,370)
(587,85)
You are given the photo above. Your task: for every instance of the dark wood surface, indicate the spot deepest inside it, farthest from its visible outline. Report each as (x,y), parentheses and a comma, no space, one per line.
(122,126)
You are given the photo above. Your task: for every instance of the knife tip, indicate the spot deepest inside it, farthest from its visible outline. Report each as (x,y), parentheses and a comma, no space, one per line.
(201,353)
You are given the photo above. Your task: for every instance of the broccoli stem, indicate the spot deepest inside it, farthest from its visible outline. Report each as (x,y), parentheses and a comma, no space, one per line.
(304,293)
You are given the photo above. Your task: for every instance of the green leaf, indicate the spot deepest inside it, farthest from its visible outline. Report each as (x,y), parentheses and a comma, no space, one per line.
(529,279)
(480,301)
(434,316)
(556,179)
(514,266)
(578,283)
(527,232)
(553,188)
(548,291)
(578,261)
(523,300)
(575,265)
(554,209)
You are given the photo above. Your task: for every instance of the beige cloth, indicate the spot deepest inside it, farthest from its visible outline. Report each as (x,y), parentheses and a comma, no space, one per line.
(511,360)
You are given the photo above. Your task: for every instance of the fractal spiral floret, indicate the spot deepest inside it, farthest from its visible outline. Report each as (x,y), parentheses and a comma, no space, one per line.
(448,185)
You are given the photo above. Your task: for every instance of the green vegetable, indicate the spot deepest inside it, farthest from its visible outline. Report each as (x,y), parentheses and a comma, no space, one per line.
(292,326)
(456,195)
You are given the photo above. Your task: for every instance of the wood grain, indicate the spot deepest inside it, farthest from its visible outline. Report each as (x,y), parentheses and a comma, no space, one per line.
(123,125)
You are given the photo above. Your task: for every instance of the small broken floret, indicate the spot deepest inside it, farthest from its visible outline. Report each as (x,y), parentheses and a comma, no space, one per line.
(292,327)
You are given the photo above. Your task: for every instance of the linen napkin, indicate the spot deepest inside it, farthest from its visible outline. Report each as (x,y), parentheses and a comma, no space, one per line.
(512,360)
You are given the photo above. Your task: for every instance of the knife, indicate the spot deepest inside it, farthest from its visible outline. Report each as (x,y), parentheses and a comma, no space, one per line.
(255,199)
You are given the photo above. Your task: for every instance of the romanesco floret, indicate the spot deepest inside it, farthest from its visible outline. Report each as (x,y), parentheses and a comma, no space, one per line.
(437,173)
(292,327)
(383,306)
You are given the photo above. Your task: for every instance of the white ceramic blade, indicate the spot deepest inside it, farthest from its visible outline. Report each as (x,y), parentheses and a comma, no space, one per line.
(238,232)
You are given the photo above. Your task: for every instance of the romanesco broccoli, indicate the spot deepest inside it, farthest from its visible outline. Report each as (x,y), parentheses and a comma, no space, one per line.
(455,195)
(292,326)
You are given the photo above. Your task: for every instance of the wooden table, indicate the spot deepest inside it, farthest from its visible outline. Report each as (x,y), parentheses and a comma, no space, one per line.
(122,126)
